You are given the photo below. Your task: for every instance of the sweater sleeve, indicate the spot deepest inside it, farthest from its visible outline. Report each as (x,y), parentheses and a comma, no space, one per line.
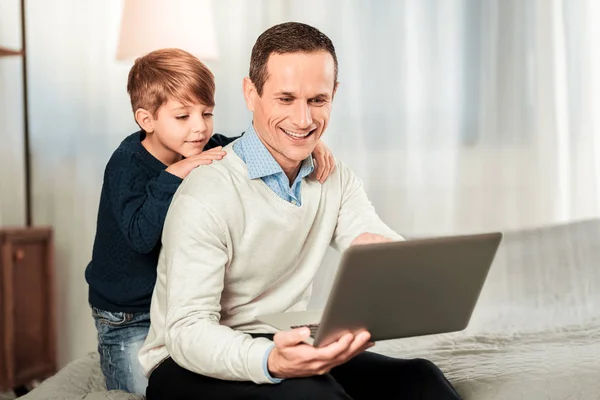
(357,215)
(196,253)
(139,204)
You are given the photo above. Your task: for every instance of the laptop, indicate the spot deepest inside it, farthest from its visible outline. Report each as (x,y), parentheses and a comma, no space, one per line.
(400,289)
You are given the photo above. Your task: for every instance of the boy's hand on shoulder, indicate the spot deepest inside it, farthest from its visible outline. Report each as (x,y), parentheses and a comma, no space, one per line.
(184,167)
(325,163)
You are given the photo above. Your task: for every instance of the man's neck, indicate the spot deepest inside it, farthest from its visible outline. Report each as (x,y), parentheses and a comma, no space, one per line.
(290,168)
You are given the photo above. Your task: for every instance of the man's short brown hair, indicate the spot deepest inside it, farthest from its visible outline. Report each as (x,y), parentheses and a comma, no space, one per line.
(288,37)
(169,74)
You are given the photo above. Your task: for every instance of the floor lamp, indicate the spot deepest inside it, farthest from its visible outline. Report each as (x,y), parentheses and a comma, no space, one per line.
(7,52)
(148,25)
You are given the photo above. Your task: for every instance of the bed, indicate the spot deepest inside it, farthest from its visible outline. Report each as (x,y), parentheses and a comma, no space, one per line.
(535,333)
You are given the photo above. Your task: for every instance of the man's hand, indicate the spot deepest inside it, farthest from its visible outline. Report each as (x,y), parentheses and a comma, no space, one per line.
(184,167)
(291,358)
(325,163)
(367,238)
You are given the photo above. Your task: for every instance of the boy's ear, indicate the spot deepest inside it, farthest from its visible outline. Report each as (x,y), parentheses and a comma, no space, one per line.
(145,120)
(250,93)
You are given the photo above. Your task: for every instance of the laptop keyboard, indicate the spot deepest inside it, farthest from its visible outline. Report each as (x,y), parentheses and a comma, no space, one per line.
(313,328)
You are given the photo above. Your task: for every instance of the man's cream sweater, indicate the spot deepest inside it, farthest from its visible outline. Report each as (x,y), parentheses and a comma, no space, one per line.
(232,250)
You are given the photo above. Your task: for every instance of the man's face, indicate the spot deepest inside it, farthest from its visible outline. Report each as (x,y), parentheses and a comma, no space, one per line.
(293,111)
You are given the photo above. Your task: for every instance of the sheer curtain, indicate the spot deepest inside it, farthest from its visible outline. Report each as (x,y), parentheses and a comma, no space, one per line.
(459,115)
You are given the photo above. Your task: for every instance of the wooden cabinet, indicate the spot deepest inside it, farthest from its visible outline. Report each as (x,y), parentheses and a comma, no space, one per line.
(27,332)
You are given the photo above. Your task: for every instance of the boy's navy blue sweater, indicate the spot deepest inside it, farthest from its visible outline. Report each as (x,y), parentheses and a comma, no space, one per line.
(135,197)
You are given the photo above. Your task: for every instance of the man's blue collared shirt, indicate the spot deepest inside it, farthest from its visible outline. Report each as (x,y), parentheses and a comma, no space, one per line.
(261,164)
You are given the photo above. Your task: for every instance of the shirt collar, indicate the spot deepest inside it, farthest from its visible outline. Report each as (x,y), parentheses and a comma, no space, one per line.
(259,160)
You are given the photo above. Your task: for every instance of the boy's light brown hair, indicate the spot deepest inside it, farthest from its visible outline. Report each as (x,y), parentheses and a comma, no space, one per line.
(169,74)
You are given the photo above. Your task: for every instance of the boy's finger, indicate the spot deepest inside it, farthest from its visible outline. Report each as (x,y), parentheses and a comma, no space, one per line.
(325,171)
(211,156)
(218,148)
(322,166)
(203,162)
(213,152)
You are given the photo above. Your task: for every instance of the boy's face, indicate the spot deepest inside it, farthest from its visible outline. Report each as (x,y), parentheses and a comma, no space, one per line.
(181,129)
(294,109)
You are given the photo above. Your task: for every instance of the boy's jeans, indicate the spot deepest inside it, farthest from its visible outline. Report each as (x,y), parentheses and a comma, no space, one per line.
(120,337)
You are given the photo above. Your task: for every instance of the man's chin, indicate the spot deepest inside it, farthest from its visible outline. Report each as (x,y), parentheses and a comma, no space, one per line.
(300,155)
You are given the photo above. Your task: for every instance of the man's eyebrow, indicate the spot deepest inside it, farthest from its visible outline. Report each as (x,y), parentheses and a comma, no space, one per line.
(325,96)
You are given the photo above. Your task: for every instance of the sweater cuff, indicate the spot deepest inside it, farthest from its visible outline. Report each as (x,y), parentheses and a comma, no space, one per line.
(266,365)
(257,359)
(168,178)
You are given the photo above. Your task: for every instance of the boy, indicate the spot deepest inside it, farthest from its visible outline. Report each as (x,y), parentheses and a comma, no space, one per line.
(172,97)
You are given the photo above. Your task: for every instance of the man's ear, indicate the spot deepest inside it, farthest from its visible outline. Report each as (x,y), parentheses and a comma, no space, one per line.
(145,120)
(335,88)
(250,93)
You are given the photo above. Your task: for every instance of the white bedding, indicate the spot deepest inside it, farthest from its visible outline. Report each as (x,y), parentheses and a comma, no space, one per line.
(534,335)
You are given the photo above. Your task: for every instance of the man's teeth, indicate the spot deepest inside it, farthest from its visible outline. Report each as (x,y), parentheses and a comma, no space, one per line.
(297,135)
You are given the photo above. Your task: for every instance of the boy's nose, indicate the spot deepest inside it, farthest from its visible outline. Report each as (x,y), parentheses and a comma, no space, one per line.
(199,126)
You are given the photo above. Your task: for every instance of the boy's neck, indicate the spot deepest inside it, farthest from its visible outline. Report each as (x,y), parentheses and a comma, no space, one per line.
(159,152)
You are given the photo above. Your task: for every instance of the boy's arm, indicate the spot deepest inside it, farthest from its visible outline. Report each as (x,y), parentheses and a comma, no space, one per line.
(140,205)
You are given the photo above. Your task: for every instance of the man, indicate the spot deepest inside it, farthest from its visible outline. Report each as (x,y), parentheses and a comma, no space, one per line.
(245,236)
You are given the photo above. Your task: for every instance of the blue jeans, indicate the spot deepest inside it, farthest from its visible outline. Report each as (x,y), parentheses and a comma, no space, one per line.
(120,337)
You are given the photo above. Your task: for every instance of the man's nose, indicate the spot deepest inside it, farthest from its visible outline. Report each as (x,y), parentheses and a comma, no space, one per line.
(302,117)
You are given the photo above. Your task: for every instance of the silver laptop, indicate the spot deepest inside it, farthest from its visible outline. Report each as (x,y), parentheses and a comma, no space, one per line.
(400,289)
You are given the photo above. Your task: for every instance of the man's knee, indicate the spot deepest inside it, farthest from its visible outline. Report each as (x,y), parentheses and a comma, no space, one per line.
(316,387)
(433,380)
(427,369)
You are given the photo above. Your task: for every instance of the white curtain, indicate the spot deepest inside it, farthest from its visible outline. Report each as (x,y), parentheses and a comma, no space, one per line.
(459,115)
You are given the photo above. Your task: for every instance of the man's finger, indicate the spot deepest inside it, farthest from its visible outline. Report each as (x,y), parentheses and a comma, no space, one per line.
(291,338)
(334,350)
(359,344)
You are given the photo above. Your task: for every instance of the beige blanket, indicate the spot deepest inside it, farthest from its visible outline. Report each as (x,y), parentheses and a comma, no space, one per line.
(535,333)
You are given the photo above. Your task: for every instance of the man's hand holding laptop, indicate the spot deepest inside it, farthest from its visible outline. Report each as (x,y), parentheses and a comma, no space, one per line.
(293,358)
(368,238)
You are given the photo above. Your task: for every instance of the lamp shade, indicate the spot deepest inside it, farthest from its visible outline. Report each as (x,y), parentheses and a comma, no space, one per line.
(148,25)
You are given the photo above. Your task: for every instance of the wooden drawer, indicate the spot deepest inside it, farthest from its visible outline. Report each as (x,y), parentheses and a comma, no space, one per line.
(27,332)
